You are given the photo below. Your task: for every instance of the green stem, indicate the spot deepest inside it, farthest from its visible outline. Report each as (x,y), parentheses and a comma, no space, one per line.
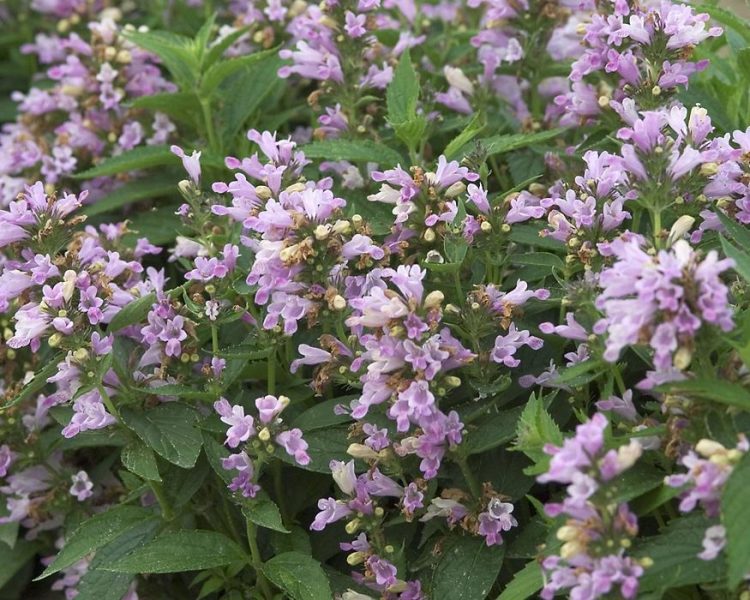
(618,378)
(215,340)
(166,508)
(656,221)
(209,124)
(474,486)
(108,402)
(278,486)
(271,375)
(256,562)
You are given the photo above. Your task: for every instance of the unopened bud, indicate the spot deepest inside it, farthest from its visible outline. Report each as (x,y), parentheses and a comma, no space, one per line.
(124,57)
(342,227)
(603,101)
(296,187)
(263,192)
(708,169)
(352,526)
(361,451)
(339,302)
(505,228)
(682,358)
(54,340)
(566,533)
(322,231)
(429,235)
(486,226)
(357,220)
(452,381)
(656,90)
(707,448)
(264,435)
(69,284)
(434,299)
(680,228)
(110,52)
(81,354)
(355,558)
(455,190)
(284,402)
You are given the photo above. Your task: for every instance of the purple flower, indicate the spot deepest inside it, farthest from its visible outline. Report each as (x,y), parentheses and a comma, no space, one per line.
(82,486)
(191,163)
(240,425)
(294,445)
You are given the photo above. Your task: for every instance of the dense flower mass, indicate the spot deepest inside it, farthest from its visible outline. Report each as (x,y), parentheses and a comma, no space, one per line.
(374,299)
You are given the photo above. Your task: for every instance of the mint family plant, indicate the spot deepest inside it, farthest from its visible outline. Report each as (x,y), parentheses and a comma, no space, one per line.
(374,299)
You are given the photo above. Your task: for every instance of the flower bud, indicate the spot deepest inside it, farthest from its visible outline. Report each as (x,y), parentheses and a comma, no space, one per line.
(455,190)
(452,381)
(54,340)
(707,448)
(342,227)
(124,57)
(708,169)
(264,435)
(69,284)
(682,358)
(352,526)
(429,235)
(357,220)
(355,558)
(486,226)
(296,187)
(263,192)
(680,228)
(321,232)
(434,299)
(339,302)
(81,354)
(361,451)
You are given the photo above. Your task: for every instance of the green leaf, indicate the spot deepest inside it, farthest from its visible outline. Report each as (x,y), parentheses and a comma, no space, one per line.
(716,390)
(13,559)
(98,584)
(735,510)
(403,91)
(472,129)
(178,551)
(726,17)
(467,570)
(219,71)
(177,52)
(500,144)
(300,576)
(536,427)
(177,390)
(739,233)
(580,374)
(264,512)
(352,150)
(324,446)
(169,429)
(37,383)
(541,259)
(218,48)
(492,431)
(132,313)
(133,191)
(178,106)
(674,553)
(321,415)
(525,583)
(95,532)
(141,157)
(741,259)
(139,459)
(244,94)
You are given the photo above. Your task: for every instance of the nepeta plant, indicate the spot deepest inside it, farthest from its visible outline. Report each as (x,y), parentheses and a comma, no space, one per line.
(374,299)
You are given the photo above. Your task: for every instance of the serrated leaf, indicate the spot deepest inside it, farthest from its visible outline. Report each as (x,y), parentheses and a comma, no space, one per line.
(739,233)
(13,559)
(179,551)
(219,71)
(132,313)
(741,259)
(218,48)
(177,52)
(36,384)
(467,570)
(353,150)
(133,191)
(492,431)
(321,415)
(402,92)
(716,390)
(500,144)
(95,533)
(542,259)
(179,106)
(264,512)
(735,510)
(141,157)
(176,390)
(536,427)
(299,575)
(139,459)
(245,92)
(674,553)
(168,429)
(525,583)
(98,584)
(473,128)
